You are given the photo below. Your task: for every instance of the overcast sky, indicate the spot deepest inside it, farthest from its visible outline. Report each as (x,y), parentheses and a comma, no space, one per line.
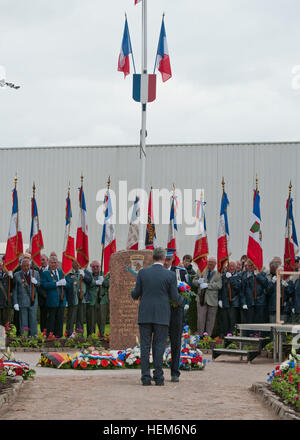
(231,60)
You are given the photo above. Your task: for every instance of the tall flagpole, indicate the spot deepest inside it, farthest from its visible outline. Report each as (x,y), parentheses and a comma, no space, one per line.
(143,129)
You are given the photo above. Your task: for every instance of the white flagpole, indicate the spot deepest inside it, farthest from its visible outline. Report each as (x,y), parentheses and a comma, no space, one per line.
(143,130)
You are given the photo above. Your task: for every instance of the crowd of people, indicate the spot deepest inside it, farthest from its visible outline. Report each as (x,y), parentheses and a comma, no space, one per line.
(30,293)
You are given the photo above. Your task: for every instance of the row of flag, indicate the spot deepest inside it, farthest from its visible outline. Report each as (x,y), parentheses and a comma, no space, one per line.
(162,61)
(14,246)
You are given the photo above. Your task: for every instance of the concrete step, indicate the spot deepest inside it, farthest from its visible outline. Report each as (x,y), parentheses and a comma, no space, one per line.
(251,354)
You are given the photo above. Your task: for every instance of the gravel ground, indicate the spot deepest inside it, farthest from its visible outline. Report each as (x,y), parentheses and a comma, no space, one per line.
(219,392)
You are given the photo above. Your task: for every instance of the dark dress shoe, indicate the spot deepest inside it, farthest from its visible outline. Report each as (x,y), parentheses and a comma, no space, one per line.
(146,383)
(159,384)
(174,379)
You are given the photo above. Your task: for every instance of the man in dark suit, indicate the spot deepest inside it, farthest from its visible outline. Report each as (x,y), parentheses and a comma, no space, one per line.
(155,286)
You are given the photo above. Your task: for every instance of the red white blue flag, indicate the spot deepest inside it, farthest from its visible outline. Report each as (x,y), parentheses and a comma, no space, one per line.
(144,87)
(255,251)
(126,50)
(137,1)
(133,233)
(162,56)
(14,246)
(172,228)
(291,247)
(223,235)
(108,234)
(150,239)
(82,243)
(36,238)
(69,243)
(201,244)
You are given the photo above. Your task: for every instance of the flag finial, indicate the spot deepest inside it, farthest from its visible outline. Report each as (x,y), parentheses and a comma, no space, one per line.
(33,189)
(164,15)
(290,188)
(16,180)
(223,184)
(173,188)
(108,182)
(81,179)
(69,187)
(256,183)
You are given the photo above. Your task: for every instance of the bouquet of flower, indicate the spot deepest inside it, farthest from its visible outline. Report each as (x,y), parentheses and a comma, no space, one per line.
(93,359)
(131,357)
(10,367)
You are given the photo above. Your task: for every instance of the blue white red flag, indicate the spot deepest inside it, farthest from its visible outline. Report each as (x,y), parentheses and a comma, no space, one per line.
(144,87)
(201,244)
(255,251)
(108,234)
(36,238)
(82,243)
(123,63)
(133,233)
(172,228)
(162,56)
(14,246)
(137,1)
(291,247)
(69,243)
(223,235)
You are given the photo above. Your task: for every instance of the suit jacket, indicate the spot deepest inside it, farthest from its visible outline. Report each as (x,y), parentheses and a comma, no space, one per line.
(48,282)
(212,291)
(21,293)
(231,287)
(73,290)
(3,290)
(155,285)
(254,285)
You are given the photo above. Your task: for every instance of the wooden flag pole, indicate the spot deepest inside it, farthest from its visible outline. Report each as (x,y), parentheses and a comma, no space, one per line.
(80,279)
(32,264)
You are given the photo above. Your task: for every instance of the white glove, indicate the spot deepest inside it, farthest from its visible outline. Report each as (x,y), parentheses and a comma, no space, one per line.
(10,274)
(256,272)
(200,281)
(203,286)
(245,307)
(81,271)
(16,307)
(33,280)
(228,275)
(100,281)
(293,310)
(186,307)
(284,283)
(221,304)
(61,283)
(274,279)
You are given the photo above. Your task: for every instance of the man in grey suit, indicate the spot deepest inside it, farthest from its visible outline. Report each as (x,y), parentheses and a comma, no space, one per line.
(26,283)
(155,286)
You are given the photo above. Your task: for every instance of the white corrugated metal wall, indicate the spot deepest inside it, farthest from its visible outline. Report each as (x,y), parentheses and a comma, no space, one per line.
(188,166)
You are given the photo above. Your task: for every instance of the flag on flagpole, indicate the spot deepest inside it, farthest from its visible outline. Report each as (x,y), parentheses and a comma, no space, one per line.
(150,238)
(223,235)
(172,228)
(255,251)
(162,57)
(69,243)
(108,233)
(36,238)
(123,63)
(133,233)
(14,246)
(201,244)
(82,243)
(137,1)
(291,247)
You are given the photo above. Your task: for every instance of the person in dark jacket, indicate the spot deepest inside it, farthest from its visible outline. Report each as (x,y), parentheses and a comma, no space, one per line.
(229,299)
(155,287)
(271,291)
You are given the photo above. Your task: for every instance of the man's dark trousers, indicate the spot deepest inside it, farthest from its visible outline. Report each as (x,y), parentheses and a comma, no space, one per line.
(175,332)
(160,334)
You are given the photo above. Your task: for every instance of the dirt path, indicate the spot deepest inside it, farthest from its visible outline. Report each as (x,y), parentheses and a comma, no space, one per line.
(220,391)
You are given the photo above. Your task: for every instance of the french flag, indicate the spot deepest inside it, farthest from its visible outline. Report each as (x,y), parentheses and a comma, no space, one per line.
(172,228)
(162,56)
(36,238)
(82,243)
(223,235)
(144,87)
(137,1)
(14,246)
(123,64)
(108,233)
(69,243)
(291,243)
(255,250)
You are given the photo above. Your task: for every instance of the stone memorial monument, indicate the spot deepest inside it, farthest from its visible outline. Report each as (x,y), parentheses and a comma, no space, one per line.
(124,267)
